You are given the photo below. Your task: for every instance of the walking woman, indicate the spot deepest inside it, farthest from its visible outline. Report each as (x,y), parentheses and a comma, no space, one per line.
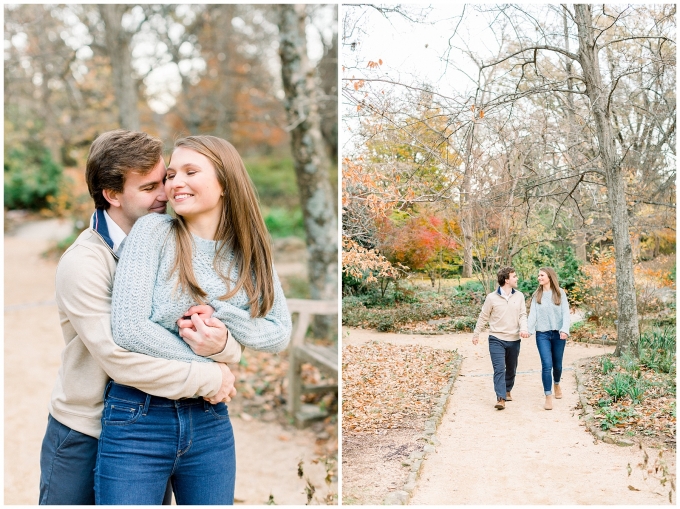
(215,253)
(549,319)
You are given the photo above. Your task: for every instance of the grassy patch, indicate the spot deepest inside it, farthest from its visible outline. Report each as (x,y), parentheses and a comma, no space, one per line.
(410,308)
(636,397)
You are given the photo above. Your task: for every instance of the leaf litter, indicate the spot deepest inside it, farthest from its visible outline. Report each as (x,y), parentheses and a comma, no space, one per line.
(389,386)
(388,391)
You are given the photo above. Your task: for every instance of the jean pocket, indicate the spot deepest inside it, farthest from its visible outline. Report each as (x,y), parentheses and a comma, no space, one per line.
(70,436)
(117,413)
(219,411)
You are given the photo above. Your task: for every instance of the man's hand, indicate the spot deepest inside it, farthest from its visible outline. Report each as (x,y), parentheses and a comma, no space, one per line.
(524,334)
(227,390)
(475,340)
(204,337)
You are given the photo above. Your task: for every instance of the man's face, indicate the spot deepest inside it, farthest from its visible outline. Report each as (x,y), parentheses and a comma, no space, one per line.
(512,280)
(143,194)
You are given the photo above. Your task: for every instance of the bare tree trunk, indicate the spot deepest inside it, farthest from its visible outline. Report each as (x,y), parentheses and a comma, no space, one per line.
(328,71)
(466,211)
(466,226)
(580,246)
(628,330)
(309,154)
(579,236)
(119,52)
(657,246)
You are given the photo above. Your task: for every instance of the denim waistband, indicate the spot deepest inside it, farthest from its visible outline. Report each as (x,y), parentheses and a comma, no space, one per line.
(132,395)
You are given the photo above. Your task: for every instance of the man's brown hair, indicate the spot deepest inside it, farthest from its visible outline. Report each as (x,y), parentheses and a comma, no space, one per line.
(504,274)
(114,154)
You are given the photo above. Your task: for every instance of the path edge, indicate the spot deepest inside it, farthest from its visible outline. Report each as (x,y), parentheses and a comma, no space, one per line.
(416,459)
(589,412)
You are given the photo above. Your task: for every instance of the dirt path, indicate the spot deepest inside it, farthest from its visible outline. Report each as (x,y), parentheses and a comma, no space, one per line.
(267,454)
(523,454)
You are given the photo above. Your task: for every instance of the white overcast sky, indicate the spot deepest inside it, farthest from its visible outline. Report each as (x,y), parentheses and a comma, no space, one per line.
(416,50)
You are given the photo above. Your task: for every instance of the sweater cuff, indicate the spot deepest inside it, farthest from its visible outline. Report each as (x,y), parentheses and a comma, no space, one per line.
(210,378)
(231,354)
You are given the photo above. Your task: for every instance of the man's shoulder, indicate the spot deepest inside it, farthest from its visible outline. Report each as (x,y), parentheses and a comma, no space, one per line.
(491,297)
(88,246)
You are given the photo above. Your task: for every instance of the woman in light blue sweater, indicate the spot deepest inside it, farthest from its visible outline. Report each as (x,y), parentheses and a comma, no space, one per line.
(549,319)
(215,253)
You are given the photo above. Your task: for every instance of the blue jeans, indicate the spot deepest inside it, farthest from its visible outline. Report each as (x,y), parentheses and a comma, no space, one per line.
(147,440)
(551,350)
(504,355)
(67,460)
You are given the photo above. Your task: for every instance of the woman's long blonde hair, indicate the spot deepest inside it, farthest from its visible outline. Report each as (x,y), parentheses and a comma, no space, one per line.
(554,286)
(241,230)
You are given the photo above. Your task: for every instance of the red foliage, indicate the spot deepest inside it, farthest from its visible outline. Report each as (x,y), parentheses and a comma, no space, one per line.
(418,240)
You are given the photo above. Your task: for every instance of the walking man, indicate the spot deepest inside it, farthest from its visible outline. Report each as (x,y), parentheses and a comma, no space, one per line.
(506,313)
(125,174)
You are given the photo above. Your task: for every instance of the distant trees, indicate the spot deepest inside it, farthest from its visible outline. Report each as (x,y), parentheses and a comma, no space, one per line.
(74,71)
(567,132)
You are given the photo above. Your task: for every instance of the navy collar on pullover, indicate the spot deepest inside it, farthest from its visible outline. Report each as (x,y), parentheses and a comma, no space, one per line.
(98,224)
(499,291)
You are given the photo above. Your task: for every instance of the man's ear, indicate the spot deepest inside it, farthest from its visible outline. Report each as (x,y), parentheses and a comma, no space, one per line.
(111,196)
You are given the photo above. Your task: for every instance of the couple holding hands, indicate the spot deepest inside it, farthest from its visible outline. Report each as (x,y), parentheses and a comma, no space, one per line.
(505,311)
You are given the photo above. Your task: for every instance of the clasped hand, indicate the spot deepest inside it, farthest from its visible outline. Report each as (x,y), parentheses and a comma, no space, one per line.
(208,336)
(205,335)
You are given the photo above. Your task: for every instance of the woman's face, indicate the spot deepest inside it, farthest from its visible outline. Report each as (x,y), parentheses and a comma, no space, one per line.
(192,186)
(543,278)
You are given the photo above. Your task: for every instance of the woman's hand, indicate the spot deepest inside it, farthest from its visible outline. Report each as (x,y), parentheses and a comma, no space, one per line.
(205,336)
(564,335)
(203,311)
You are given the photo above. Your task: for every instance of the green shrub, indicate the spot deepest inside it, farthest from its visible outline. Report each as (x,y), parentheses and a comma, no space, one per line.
(657,349)
(607,365)
(465,324)
(529,261)
(612,417)
(274,179)
(396,309)
(630,363)
(471,292)
(33,179)
(619,386)
(636,389)
(285,222)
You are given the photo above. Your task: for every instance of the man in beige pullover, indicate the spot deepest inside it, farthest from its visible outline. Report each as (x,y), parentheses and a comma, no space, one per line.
(125,174)
(506,313)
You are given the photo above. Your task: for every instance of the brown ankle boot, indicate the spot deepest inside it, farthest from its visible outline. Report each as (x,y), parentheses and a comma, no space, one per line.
(548,402)
(500,404)
(508,396)
(558,391)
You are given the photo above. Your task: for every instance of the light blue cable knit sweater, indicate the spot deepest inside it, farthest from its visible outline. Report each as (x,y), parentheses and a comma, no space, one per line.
(546,316)
(145,305)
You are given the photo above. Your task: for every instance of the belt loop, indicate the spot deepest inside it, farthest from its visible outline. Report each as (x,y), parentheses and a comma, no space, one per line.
(108,388)
(146,404)
(206,406)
